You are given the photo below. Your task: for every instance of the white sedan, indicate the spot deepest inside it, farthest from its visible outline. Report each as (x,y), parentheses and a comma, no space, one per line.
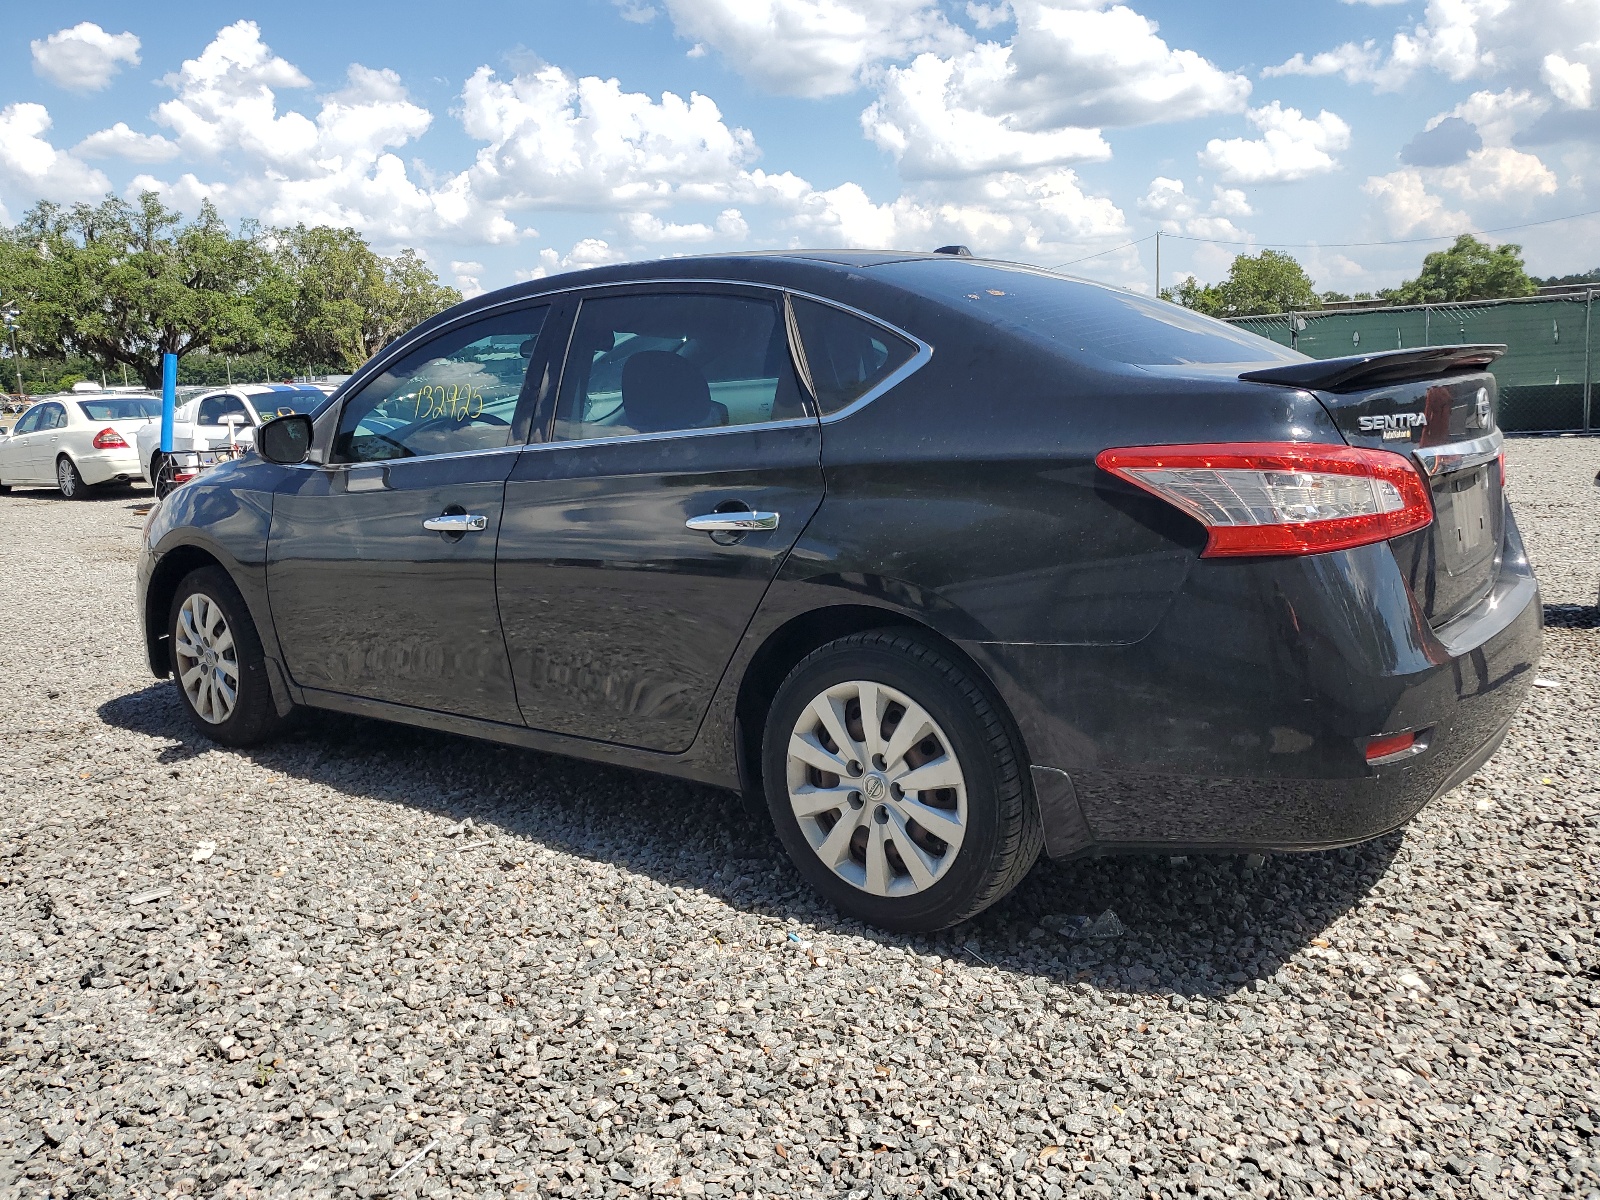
(77,442)
(209,420)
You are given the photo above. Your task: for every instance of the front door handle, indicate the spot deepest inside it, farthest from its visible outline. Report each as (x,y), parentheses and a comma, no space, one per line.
(741,521)
(456,523)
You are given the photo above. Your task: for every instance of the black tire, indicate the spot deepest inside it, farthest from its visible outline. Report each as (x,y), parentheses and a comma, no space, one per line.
(161,472)
(68,481)
(1002,837)
(254,717)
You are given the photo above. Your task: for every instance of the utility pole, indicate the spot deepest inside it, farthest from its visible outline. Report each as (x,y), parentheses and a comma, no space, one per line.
(1158,264)
(10,315)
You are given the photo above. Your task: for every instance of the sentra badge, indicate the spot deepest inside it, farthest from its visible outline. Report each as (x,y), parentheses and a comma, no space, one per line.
(1394,425)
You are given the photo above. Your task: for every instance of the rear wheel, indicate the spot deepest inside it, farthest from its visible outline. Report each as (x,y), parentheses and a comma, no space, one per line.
(896,784)
(69,481)
(218,661)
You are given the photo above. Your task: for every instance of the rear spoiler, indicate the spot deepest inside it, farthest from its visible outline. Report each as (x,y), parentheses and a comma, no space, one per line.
(1361,371)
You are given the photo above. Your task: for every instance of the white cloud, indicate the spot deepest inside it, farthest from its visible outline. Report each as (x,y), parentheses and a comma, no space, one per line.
(1038,217)
(988,16)
(637,11)
(813,47)
(1170,205)
(121,142)
(1410,208)
(1466,38)
(730,226)
(469,277)
(1292,146)
(1089,62)
(589,252)
(1569,82)
(226,100)
(559,141)
(336,168)
(924,117)
(84,58)
(1498,173)
(32,164)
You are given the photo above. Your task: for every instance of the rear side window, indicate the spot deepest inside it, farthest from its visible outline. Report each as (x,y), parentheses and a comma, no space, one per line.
(847,355)
(675,362)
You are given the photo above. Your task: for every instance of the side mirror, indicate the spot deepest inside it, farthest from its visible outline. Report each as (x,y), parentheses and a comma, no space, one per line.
(285,440)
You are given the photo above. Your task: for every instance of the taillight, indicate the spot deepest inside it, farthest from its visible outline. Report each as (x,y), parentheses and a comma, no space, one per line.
(109,439)
(1281,497)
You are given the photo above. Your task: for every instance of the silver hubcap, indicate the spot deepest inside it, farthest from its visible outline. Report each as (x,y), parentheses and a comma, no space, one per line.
(877,789)
(208,666)
(64,477)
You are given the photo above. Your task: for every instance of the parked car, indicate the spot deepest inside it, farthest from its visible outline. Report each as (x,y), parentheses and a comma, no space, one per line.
(939,560)
(77,442)
(201,421)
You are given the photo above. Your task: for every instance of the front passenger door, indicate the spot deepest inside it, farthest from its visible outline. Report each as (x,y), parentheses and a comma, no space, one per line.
(380,567)
(16,452)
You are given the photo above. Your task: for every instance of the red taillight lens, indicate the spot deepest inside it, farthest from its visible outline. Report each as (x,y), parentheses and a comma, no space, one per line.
(1281,497)
(109,439)
(1387,747)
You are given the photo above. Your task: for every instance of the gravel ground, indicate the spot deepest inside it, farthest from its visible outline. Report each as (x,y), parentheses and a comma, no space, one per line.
(372,961)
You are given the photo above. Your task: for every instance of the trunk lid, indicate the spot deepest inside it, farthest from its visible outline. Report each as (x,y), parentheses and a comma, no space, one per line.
(1448,427)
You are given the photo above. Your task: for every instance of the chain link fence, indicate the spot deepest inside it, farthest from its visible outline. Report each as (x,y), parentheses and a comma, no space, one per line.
(1546,379)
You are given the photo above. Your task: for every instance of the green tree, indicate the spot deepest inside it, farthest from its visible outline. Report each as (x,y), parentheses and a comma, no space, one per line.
(1269,282)
(1469,270)
(345,302)
(123,283)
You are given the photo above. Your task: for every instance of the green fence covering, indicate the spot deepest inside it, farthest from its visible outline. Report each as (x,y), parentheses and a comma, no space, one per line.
(1545,379)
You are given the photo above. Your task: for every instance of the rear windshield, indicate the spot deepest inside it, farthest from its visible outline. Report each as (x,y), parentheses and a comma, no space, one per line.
(289,400)
(124,408)
(1088,318)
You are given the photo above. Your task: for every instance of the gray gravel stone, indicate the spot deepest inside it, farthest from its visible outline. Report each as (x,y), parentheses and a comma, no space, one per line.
(413,965)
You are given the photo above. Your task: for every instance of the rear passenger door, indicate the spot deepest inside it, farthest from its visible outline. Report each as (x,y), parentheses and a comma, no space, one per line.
(679,410)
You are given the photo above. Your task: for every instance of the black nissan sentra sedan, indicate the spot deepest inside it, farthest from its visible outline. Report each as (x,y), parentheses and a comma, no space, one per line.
(948,561)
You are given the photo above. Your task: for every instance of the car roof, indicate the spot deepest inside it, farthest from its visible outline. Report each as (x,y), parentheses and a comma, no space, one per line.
(837,274)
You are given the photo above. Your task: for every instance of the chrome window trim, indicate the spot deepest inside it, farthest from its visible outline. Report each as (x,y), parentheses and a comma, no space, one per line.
(676,434)
(916,362)
(415,458)
(1457,456)
(920,359)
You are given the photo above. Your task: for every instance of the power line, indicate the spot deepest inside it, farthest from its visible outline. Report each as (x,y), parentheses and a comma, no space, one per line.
(1099,253)
(1441,237)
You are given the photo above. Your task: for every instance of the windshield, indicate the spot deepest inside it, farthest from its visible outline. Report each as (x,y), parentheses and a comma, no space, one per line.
(280,402)
(124,408)
(1087,318)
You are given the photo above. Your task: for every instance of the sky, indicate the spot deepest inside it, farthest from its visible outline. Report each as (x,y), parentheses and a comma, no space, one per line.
(506,141)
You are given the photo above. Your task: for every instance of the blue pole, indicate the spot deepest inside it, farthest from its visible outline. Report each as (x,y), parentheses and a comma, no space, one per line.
(169,398)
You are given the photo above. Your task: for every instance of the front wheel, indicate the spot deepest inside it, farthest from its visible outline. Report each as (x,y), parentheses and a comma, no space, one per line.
(218,661)
(896,783)
(69,480)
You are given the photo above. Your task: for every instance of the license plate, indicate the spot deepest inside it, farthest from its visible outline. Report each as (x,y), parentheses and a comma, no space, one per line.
(1467,530)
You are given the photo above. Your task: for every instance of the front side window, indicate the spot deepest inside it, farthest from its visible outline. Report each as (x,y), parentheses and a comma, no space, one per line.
(670,363)
(28,422)
(130,408)
(847,355)
(214,408)
(456,393)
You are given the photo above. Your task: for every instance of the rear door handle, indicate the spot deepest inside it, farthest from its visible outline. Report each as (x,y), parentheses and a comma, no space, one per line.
(456,523)
(743,521)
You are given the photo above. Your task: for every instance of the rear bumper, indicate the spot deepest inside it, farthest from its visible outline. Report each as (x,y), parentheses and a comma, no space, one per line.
(104,465)
(1241,722)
